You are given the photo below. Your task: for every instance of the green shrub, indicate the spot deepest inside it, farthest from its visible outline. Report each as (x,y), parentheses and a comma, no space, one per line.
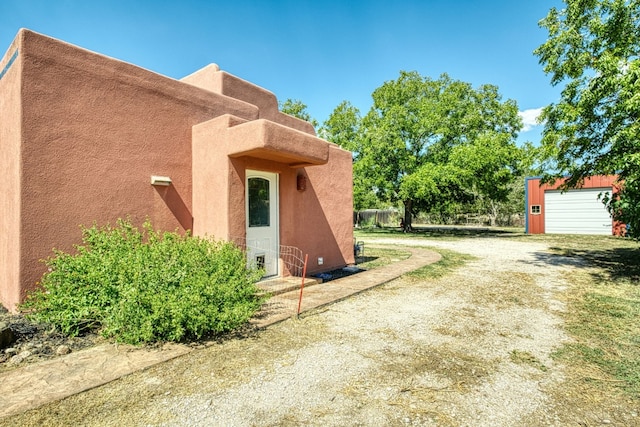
(146,286)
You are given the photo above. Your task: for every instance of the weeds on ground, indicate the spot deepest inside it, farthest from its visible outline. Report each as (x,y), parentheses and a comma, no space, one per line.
(142,286)
(604,312)
(526,358)
(438,232)
(376,257)
(450,261)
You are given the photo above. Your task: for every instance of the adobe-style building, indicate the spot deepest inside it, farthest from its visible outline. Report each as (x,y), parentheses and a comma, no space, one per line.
(577,211)
(89,139)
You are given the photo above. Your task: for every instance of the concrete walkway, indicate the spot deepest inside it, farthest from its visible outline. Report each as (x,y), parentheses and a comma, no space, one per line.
(35,385)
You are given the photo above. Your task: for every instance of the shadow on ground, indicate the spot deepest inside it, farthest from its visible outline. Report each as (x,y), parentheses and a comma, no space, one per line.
(613,264)
(435,231)
(617,263)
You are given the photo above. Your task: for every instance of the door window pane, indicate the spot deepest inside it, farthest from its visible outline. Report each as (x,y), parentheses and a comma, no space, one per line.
(258,202)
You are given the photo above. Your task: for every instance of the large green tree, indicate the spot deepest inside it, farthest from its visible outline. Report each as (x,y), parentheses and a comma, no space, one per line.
(344,128)
(488,165)
(405,142)
(593,53)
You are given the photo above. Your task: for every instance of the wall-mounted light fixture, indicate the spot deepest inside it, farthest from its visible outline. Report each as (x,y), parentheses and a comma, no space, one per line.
(163,181)
(301,183)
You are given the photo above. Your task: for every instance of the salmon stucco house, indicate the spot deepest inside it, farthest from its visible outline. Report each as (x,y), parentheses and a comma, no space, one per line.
(85,138)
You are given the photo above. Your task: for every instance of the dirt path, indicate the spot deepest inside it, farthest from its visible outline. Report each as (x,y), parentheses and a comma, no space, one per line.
(470,349)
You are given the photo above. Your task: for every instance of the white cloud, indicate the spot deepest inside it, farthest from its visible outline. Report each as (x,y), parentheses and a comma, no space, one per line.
(530,118)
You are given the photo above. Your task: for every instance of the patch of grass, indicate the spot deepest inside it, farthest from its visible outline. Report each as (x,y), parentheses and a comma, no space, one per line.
(450,261)
(510,289)
(378,232)
(417,377)
(606,323)
(603,314)
(455,366)
(376,257)
(526,358)
(439,232)
(617,264)
(579,241)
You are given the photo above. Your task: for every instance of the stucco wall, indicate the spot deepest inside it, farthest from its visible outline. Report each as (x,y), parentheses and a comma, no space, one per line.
(10,224)
(323,214)
(213,79)
(82,134)
(317,220)
(95,130)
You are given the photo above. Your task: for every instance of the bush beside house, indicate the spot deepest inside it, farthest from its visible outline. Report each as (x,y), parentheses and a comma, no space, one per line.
(141,286)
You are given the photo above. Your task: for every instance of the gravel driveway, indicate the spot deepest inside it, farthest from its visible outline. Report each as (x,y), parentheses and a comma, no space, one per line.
(470,349)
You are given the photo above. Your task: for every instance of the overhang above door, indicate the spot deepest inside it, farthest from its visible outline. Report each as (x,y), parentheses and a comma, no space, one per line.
(267,140)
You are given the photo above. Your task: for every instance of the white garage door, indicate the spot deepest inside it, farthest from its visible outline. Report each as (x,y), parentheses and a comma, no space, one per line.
(576,212)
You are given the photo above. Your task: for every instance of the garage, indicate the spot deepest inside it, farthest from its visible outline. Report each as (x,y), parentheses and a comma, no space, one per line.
(577,212)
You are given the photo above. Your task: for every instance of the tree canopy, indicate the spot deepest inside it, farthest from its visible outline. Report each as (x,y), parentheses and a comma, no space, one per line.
(593,53)
(343,127)
(425,142)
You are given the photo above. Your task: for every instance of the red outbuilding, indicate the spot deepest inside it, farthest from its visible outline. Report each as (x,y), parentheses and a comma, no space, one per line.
(576,211)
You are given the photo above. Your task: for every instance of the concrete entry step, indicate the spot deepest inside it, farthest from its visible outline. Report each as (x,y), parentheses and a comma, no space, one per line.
(280,285)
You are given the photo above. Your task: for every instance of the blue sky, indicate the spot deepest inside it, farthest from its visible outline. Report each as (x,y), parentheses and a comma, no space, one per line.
(320,52)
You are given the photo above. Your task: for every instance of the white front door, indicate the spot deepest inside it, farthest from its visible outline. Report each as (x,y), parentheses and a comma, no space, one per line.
(262,221)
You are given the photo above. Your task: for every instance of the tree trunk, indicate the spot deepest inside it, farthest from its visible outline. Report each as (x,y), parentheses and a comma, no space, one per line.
(494,213)
(406,223)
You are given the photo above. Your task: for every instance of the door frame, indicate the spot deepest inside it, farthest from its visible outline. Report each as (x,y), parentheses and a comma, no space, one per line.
(272,254)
